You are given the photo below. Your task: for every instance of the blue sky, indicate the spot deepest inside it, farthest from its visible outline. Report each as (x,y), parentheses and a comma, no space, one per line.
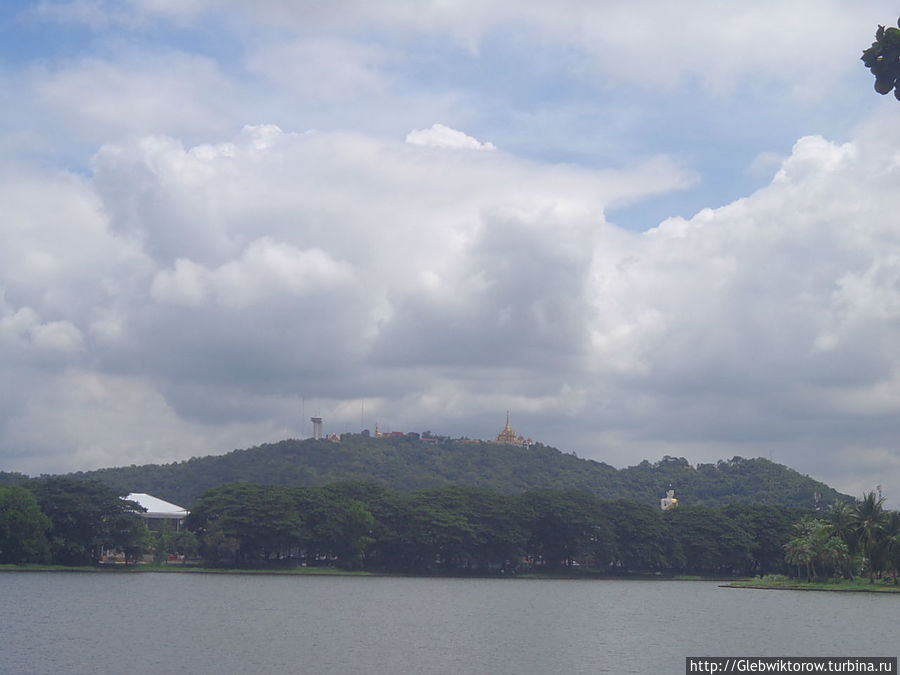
(649,232)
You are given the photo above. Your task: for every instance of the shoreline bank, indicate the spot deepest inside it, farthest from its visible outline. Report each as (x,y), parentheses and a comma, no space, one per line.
(332,571)
(827,587)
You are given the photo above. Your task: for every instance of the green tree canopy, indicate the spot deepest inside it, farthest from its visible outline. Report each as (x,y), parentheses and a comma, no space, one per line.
(261,519)
(869,518)
(769,526)
(404,463)
(335,525)
(23,527)
(643,539)
(87,517)
(709,541)
(561,524)
(883,59)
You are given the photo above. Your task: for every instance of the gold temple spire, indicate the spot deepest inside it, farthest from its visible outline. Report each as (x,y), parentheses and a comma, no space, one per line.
(507,436)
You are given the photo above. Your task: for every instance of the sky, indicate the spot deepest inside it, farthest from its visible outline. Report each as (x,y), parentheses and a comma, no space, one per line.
(643,230)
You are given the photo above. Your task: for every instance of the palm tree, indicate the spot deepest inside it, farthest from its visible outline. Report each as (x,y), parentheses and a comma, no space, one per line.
(869,519)
(891,543)
(841,516)
(811,545)
(797,552)
(836,554)
(842,524)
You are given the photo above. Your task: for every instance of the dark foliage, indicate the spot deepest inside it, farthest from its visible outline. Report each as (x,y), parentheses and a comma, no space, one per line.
(883,59)
(445,529)
(862,538)
(7,478)
(768,527)
(407,464)
(469,530)
(87,517)
(23,527)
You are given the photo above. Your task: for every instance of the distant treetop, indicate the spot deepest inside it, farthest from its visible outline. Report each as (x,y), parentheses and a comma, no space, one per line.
(883,59)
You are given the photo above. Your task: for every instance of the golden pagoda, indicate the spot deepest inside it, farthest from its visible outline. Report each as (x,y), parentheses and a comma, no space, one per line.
(507,436)
(510,437)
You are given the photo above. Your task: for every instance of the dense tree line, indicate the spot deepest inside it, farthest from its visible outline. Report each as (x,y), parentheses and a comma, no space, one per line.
(450,529)
(68,522)
(407,464)
(440,529)
(462,529)
(23,527)
(849,540)
(12,478)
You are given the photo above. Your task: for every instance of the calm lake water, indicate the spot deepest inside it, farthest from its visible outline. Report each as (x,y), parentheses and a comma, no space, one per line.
(195,623)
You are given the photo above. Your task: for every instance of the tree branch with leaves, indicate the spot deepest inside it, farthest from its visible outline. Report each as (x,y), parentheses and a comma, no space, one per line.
(883,59)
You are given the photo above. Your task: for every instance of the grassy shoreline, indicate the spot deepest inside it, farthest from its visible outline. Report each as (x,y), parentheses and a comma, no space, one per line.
(182,569)
(333,571)
(860,585)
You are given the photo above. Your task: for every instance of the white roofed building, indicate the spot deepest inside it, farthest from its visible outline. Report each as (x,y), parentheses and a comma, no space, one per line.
(159,511)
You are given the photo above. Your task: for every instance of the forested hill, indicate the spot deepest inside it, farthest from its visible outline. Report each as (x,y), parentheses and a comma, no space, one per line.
(406,463)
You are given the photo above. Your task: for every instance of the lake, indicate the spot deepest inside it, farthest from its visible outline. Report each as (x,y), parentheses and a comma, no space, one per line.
(72,623)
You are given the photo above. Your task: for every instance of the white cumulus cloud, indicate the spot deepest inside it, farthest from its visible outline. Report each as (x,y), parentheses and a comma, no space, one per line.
(265,268)
(440,136)
(239,276)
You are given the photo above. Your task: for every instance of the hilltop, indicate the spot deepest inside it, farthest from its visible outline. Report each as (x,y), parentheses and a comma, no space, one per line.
(407,463)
